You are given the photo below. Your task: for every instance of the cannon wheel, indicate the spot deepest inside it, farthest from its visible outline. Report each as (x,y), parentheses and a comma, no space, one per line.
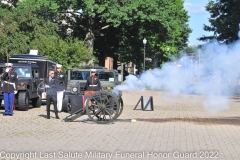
(102,107)
(120,107)
(65,104)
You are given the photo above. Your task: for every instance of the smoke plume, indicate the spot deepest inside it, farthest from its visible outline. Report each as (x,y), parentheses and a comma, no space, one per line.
(214,73)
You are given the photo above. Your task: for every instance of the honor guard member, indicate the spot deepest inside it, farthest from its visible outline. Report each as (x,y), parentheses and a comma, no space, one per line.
(51,91)
(62,86)
(93,83)
(9,84)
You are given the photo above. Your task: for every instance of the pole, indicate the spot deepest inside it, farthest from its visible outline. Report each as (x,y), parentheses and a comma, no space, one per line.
(122,72)
(144,58)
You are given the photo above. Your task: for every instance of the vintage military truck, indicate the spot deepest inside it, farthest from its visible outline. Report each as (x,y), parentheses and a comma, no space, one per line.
(31,70)
(76,87)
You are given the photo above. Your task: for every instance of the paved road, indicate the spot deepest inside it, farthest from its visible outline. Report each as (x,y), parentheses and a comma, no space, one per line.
(180,127)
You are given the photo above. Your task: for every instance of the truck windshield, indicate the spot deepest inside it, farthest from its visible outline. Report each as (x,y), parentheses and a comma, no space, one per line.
(79,75)
(22,72)
(105,76)
(82,75)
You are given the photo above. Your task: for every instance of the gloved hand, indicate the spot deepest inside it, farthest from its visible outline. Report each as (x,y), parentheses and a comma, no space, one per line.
(7,69)
(15,92)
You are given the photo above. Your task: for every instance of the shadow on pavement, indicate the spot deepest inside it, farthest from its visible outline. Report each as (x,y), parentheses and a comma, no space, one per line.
(43,115)
(122,120)
(199,121)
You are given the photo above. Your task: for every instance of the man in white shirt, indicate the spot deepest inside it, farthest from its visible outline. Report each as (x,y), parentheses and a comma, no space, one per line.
(62,86)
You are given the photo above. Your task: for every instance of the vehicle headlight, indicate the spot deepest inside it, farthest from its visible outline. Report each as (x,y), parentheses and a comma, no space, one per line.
(74,89)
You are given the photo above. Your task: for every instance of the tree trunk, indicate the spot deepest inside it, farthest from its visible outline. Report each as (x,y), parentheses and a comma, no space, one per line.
(101,59)
(90,41)
(115,60)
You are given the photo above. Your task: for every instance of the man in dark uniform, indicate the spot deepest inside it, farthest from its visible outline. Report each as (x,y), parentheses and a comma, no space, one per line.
(62,86)
(51,91)
(93,83)
(9,84)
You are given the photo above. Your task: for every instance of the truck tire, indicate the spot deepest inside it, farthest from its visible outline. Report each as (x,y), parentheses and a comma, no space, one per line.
(23,101)
(37,102)
(65,104)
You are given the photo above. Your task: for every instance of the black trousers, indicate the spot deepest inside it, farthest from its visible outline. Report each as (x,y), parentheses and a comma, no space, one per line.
(50,99)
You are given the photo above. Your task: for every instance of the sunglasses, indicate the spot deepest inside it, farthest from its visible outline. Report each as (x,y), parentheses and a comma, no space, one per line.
(9,66)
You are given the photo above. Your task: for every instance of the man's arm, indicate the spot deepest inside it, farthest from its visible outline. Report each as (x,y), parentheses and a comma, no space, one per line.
(16,81)
(46,82)
(4,75)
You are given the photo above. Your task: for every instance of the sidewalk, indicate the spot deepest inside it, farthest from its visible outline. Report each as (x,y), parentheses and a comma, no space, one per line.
(180,127)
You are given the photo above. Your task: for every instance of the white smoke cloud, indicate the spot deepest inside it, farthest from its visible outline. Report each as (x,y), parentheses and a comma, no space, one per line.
(217,75)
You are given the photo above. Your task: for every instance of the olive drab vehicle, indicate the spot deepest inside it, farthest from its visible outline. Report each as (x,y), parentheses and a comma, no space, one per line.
(31,70)
(76,87)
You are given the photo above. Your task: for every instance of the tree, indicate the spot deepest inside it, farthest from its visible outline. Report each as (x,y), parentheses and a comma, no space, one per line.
(69,52)
(30,25)
(12,40)
(117,28)
(165,26)
(109,27)
(224,20)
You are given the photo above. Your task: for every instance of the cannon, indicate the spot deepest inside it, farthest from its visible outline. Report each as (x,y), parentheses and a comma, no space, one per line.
(101,107)
(77,101)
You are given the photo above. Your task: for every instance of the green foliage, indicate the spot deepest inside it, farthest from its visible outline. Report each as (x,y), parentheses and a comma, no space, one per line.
(109,27)
(11,39)
(224,20)
(69,52)
(164,24)
(29,26)
(118,27)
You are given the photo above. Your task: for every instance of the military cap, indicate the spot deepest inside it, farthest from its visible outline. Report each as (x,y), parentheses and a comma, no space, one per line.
(59,66)
(8,64)
(93,70)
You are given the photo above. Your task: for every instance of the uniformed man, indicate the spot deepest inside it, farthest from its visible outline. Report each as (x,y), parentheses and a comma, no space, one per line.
(9,84)
(51,91)
(62,86)
(93,83)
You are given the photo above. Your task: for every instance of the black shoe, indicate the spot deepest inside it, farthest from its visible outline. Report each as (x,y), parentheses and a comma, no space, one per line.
(48,117)
(57,117)
(4,114)
(100,119)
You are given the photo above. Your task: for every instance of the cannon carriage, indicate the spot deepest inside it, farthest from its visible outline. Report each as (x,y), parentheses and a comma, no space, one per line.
(100,106)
